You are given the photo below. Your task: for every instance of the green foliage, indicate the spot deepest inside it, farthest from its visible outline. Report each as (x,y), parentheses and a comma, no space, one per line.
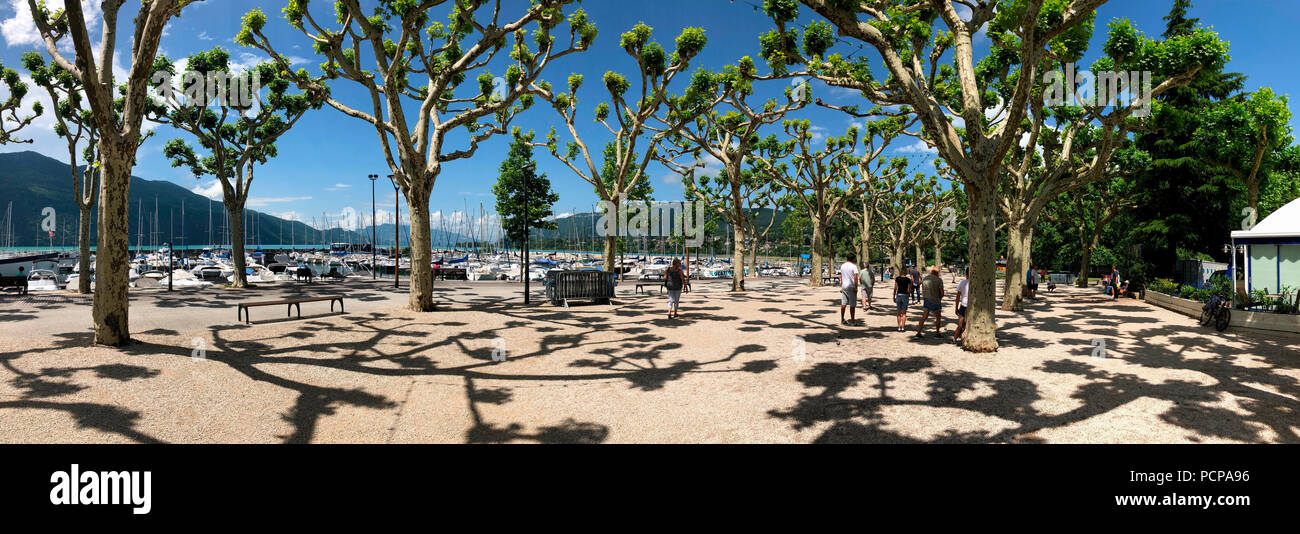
(524,199)
(11,104)
(240,134)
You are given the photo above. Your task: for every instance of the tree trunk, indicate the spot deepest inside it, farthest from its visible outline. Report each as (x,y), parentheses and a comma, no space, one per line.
(1084,265)
(753,257)
(920,256)
(235,210)
(1018,239)
(818,241)
(738,259)
(112,257)
(981,321)
(83,250)
(866,236)
(938,255)
(609,250)
(421,277)
(897,260)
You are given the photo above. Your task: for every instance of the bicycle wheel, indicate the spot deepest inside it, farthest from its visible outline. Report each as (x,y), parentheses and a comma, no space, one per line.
(1221,321)
(1206,316)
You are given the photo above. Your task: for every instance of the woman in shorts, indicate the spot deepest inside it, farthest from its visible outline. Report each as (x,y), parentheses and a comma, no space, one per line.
(902,296)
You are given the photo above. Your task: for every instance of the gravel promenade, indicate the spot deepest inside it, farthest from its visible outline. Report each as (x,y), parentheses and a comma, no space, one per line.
(771,365)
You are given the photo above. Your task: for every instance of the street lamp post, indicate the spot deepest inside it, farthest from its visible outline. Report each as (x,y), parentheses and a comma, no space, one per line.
(374,230)
(397,226)
(528,173)
(171,268)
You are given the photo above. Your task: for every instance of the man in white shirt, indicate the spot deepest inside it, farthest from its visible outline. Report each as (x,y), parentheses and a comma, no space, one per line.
(849,289)
(963,290)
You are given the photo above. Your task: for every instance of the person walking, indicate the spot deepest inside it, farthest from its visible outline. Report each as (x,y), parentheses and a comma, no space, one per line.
(849,289)
(902,297)
(674,279)
(932,295)
(1031,282)
(1114,283)
(916,284)
(963,288)
(868,284)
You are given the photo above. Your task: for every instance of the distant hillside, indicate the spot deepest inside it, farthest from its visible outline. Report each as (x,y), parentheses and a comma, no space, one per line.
(31,182)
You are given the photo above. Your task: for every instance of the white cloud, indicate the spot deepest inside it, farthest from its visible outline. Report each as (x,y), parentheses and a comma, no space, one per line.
(290,216)
(211,190)
(257,202)
(337,187)
(203,36)
(818,133)
(20,30)
(918,147)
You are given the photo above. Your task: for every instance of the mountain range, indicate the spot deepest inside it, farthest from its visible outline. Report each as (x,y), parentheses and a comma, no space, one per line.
(160,212)
(163,211)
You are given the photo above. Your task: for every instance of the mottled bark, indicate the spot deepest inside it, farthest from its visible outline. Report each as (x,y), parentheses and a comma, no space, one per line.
(1019,239)
(817,260)
(235,209)
(83,250)
(421,278)
(981,320)
(608,251)
(112,257)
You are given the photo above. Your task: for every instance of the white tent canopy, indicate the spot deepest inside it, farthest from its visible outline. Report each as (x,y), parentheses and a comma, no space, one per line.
(1272,251)
(1285,222)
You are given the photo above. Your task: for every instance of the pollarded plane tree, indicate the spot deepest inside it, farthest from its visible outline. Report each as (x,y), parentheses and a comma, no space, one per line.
(877,174)
(411,68)
(1089,209)
(10,121)
(1243,136)
(118,108)
(720,194)
(235,125)
(639,123)
(909,211)
(775,199)
(74,124)
(1075,137)
(729,137)
(927,48)
(821,180)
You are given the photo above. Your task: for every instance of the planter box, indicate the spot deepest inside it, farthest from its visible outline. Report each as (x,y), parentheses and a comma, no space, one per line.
(1240,318)
(1281,322)
(1178,304)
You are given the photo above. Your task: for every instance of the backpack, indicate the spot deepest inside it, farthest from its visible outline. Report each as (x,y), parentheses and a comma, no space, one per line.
(674,281)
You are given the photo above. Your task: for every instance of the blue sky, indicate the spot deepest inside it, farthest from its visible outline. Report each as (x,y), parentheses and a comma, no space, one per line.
(324,161)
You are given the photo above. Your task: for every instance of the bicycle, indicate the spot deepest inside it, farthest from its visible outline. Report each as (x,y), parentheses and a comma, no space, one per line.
(1219,311)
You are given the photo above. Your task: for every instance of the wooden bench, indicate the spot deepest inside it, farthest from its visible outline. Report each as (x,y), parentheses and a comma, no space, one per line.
(640,288)
(242,309)
(450,273)
(303,274)
(19,282)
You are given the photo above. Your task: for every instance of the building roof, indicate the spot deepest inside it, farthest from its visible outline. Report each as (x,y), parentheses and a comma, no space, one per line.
(1283,223)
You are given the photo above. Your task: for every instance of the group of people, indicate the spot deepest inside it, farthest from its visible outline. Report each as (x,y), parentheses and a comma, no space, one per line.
(907,290)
